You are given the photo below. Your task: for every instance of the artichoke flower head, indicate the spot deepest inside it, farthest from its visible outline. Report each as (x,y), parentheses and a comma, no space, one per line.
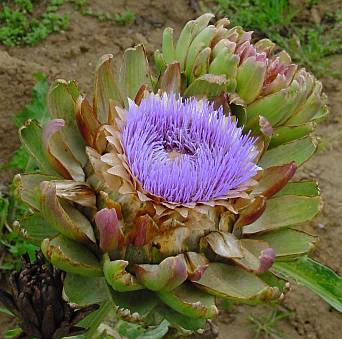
(172,189)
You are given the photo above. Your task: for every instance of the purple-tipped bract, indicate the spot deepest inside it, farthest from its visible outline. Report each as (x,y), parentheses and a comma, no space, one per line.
(184,151)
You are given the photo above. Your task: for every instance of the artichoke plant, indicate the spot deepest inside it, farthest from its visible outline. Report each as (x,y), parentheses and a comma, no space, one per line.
(171,190)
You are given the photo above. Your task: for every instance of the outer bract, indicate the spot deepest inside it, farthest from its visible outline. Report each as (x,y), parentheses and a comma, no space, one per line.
(172,202)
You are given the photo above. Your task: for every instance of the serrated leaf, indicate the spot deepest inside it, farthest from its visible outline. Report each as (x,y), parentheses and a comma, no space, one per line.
(285,211)
(315,276)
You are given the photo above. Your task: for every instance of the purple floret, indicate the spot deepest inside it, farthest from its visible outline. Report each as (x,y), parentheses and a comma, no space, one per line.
(184,151)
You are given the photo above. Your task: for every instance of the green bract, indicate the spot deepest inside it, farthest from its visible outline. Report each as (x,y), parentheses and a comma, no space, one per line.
(154,257)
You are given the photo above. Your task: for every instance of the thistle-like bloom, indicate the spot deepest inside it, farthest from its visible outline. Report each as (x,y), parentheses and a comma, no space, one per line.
(185,151)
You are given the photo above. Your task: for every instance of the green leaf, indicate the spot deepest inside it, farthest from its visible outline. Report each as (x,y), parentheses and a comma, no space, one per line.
(142,302)
(117,276)
(285,134)
(285,211)
(168,49)
(4,208)
(6,311)
(315,276)
(31,138)
(98,317)
(19,160)
(106,87)
(275,107)
(14,333)
(206,86)
(37,228)
(63,216)
(308,188)
(166,276)
(250,78)
(28,187)
(181,321)
(273,280)
(58,152)
(232,282)
(84,291)
(70,256)
(136,331)
(190,301)
(298,151)
(289,243)
(135,71)
(185,38)
(62,106)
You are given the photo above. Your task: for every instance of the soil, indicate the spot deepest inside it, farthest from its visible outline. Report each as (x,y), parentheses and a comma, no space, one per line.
(73,55)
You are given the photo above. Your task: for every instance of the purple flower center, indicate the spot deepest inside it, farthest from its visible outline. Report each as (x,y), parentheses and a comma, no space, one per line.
(184,151)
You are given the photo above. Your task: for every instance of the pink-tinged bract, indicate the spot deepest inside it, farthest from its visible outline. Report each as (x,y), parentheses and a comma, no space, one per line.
(185,151)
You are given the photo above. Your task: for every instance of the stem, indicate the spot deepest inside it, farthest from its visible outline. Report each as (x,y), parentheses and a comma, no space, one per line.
(99,316)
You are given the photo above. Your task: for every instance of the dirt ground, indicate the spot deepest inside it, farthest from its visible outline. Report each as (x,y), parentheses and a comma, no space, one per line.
(73,55)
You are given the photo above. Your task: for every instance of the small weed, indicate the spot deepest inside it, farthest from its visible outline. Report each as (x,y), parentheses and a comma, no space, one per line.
(267,327)
(11,207)
(308,43)
(36,109)
(127,17)
(20,26)
(124,18)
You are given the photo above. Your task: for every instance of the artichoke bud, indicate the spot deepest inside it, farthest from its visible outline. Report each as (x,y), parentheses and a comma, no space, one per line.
(267,259)
(110,230)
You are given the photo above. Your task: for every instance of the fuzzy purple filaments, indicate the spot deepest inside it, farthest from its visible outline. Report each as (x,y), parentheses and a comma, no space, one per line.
(184,151)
